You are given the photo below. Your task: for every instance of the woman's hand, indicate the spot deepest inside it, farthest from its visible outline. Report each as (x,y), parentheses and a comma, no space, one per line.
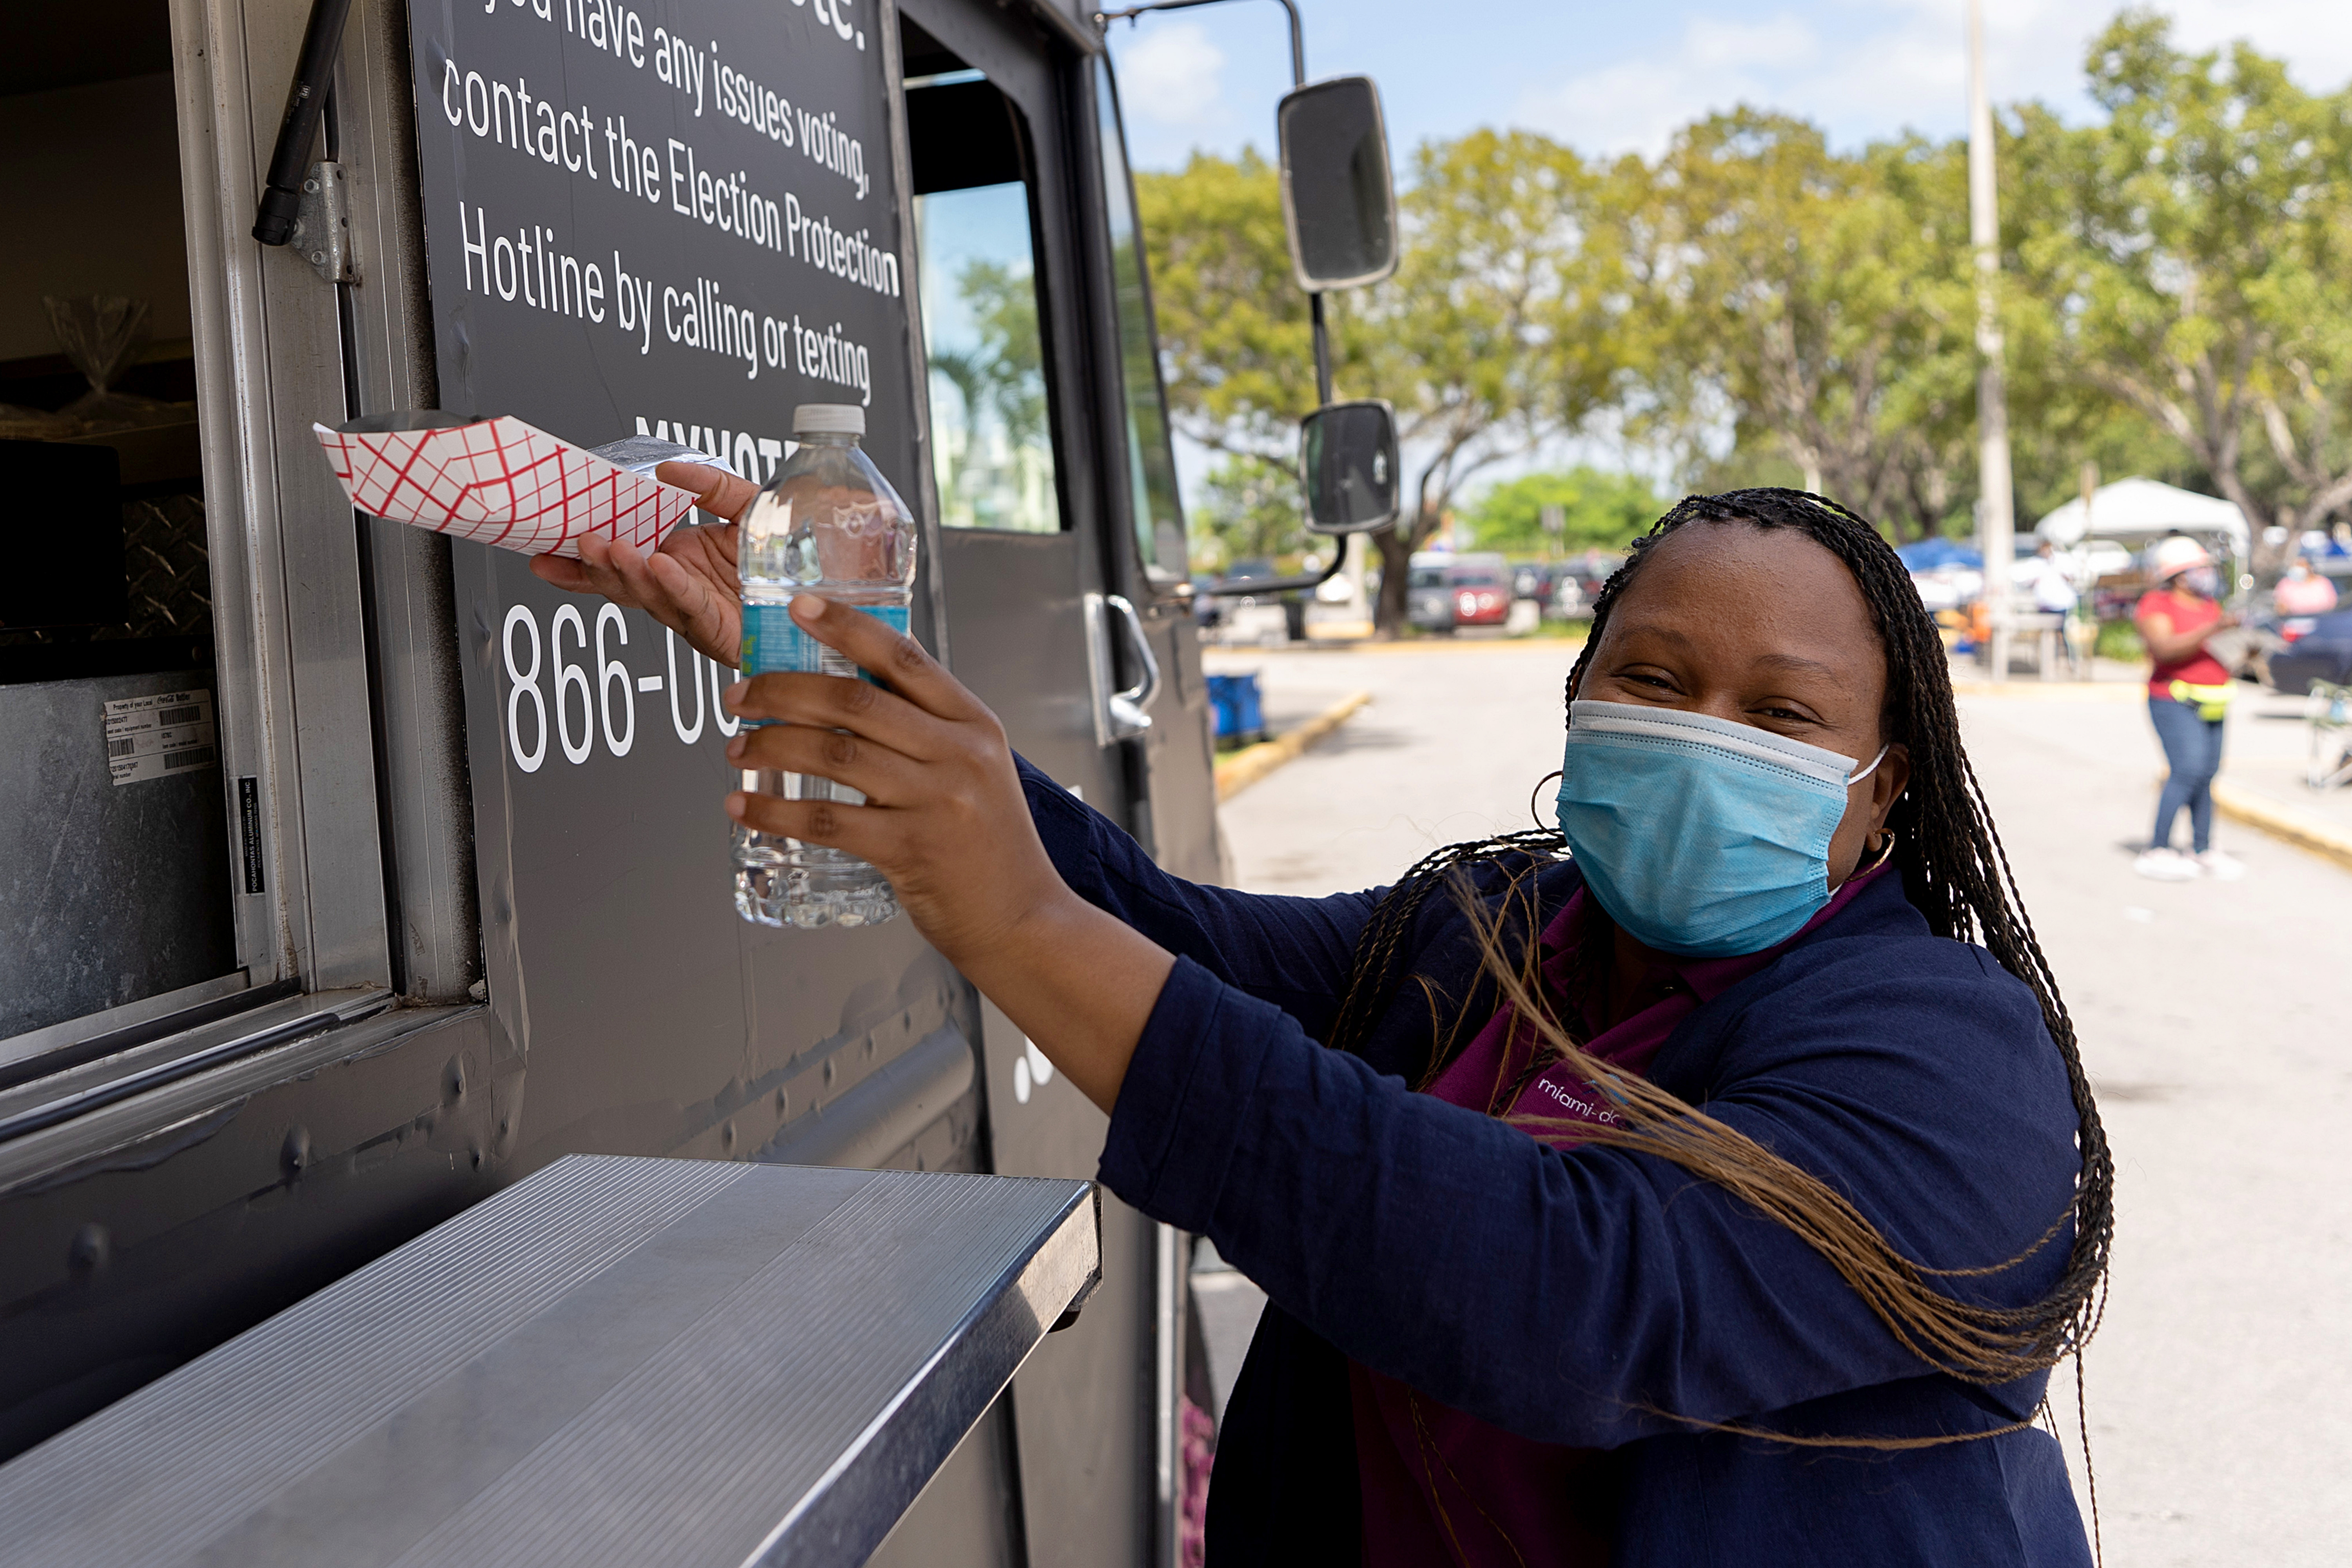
(945,817)
(946,821)
(689,584)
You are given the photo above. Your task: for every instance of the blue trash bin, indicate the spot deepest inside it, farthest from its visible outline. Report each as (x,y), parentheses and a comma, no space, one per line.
(1249,714)
(1240,712)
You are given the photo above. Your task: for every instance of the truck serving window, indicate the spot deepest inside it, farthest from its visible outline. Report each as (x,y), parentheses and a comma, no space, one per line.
(993,445)
(1159,514)
(115,870)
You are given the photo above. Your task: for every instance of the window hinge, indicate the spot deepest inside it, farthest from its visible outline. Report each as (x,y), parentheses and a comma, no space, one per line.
(323,223)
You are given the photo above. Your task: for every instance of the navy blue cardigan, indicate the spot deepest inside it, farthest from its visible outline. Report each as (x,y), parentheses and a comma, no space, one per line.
(1577,1298)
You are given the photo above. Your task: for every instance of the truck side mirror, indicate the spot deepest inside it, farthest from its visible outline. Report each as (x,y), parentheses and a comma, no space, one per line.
(1347,454)
(1339,200)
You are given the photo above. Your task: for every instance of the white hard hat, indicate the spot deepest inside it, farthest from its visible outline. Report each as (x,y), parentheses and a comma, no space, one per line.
(2174,556)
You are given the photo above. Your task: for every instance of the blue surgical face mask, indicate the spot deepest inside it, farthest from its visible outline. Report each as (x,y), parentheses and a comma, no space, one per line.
(1701,837)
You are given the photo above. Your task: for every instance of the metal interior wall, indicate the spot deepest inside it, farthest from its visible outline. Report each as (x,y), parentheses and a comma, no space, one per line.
(130,901)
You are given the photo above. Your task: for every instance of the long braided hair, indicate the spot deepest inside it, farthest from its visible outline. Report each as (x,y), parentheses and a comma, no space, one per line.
(1954,872)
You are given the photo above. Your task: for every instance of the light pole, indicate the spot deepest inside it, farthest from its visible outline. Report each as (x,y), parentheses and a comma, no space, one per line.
(1996,521)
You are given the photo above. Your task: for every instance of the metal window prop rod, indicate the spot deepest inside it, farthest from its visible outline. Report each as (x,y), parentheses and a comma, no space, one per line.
(314,69)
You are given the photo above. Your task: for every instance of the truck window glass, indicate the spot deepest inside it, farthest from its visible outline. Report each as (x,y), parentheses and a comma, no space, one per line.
(992,434)
(114,824)
(1159,512)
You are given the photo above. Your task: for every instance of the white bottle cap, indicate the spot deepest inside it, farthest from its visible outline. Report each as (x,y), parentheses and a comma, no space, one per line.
(829,419)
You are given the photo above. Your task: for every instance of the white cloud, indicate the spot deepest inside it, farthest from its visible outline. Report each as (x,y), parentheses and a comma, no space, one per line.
(1869,68)
(2313,36)
(1634,105)
(1174,75)
(1782,41)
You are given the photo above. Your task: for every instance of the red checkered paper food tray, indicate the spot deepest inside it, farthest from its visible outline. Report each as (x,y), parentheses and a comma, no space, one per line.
(503,482)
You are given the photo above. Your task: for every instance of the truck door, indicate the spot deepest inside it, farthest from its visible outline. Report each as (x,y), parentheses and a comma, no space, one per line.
(1020,492)
(1028,562)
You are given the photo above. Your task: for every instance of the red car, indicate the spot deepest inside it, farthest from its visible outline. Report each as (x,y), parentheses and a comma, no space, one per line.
(1482,595)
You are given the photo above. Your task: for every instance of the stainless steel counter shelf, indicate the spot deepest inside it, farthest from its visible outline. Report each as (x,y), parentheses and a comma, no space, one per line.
(617,1361)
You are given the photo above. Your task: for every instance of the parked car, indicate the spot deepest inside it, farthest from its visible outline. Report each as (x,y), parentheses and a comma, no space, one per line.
(1580,580)
(2322,653)
(1428,604)
(1481,593)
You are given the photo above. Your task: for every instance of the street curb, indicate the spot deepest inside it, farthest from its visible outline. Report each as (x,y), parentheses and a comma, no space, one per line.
(1250,764)
(2281,820)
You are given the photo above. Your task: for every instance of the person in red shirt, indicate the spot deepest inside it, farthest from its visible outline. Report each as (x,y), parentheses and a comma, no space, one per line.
(2187,699)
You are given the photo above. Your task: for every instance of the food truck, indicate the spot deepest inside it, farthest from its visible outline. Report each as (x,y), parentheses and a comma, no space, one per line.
(349,873)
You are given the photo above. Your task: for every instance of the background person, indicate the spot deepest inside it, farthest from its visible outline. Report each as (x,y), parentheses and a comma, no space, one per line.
(2187,701)
(2055,594)
(1530,1303)
(2302,592)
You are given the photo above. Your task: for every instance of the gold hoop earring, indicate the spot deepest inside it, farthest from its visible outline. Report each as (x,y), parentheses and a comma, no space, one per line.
(1885,851)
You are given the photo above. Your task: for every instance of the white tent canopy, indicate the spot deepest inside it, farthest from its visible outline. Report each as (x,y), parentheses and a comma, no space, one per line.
(2134,511)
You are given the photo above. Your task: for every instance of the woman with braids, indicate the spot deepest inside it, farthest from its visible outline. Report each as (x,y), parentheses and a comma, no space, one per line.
(1714,1181)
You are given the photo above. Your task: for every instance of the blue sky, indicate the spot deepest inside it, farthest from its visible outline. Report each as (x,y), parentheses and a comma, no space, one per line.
(1618,77)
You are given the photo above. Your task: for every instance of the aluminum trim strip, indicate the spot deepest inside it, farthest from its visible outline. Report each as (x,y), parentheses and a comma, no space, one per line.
(46,1102)
(120,1129)
(94,1027)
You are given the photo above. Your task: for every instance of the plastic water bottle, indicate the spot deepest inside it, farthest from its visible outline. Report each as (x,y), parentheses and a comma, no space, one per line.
(830,523)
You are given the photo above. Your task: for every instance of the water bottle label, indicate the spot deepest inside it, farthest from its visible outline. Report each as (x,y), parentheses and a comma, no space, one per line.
(772,641)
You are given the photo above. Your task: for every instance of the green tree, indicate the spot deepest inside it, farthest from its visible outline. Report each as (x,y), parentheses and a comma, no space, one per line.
(1235,347)
(2198,238)
(1599,512)
(1818,301)
(1505,324)
(1012,362)
(1001,375)
(1250,510)
(1501,327)
(2171,294)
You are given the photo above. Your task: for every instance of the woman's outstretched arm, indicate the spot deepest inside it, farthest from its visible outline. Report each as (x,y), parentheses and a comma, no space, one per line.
(1294,952)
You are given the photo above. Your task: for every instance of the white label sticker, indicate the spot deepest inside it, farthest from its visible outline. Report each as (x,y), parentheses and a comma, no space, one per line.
(155,737)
